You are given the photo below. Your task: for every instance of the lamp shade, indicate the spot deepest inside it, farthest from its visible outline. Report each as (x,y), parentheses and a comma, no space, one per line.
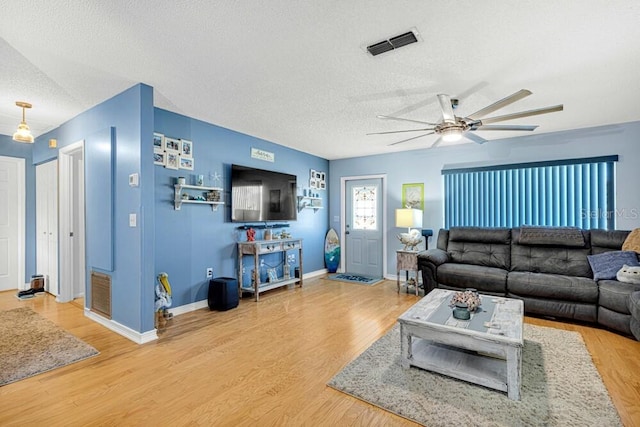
(409,218)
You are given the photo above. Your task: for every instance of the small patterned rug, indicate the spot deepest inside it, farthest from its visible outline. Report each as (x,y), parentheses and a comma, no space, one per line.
(31,344)
(560,386)
(355,278)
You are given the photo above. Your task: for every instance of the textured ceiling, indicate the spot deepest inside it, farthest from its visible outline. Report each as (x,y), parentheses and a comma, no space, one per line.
(297,72)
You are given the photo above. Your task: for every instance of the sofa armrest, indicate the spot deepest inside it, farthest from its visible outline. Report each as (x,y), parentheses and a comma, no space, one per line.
(428,263)
(436,257)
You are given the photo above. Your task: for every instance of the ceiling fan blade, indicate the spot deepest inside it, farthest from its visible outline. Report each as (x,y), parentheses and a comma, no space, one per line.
(409,139)
(404,120)
(522,114)
(447,109)
(475,138)
(399,131)
(506,127)
(522,93)
(436,143)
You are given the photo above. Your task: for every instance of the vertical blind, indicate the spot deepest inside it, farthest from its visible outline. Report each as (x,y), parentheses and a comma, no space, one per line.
(574,192)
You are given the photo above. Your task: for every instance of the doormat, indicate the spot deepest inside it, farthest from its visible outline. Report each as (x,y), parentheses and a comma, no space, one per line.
(355,278)
(557,390)
(31,345)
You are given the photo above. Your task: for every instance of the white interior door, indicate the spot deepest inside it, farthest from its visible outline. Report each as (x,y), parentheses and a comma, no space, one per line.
(364,227)
(47,224)
(12,219)
(71,221)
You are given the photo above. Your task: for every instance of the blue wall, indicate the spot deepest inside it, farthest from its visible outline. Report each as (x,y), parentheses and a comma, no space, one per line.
(129,116)
(194,238)
(10,148)
(425,166)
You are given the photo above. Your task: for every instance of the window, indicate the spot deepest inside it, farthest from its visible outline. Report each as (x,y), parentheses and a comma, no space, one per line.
(364,208)
(575,192)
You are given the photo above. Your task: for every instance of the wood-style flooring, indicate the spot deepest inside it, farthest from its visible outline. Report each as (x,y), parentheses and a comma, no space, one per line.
(261,364)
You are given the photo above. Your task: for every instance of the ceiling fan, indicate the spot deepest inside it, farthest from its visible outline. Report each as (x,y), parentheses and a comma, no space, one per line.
(452,128)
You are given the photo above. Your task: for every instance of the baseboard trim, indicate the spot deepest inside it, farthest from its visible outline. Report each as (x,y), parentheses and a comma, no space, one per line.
(188,308)
(120,329)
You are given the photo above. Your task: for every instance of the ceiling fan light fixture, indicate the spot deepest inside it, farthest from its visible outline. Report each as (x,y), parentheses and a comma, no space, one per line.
(451,134)
(23,134)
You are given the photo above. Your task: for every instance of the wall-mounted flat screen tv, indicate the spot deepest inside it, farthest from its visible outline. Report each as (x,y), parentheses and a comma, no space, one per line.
(262,195)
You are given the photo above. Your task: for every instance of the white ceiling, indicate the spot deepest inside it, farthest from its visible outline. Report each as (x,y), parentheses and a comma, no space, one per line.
(297,72)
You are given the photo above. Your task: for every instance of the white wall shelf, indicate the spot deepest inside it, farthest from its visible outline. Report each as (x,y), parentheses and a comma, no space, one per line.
(180,190)
(305,202)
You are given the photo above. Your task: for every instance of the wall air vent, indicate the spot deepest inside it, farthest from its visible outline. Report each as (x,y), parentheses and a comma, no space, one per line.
(393,43)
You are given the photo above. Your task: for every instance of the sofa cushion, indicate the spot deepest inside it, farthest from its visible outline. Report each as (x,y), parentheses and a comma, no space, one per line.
(555,236)
(607,240)
(632,242)
(556,308)
(613,320)
(606,265)
(615,295)
(484,279)
(484,254)
(551,260)
(480,235)
(553,287)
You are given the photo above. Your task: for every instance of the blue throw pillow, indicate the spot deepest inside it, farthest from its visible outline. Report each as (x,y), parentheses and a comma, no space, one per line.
(605,266)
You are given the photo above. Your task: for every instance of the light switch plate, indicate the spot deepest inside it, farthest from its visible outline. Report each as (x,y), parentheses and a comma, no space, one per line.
(133,180)
(132,220)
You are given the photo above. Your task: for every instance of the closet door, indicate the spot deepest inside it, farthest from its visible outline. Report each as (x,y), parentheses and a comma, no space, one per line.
(47,224)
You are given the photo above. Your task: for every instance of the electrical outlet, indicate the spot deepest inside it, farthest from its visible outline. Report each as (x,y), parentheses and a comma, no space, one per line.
(209,273)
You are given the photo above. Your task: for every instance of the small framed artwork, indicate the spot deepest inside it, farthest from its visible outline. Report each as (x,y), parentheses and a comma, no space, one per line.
(323,185)
(313,174)
(172,144)
(413,196)
(186,163)
(158,141)
(172,160)
(186,148)
(158,156)
(313,183)
(273,275)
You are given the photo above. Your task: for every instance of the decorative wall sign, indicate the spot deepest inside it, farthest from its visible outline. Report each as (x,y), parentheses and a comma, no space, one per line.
(413,196)
(259,154)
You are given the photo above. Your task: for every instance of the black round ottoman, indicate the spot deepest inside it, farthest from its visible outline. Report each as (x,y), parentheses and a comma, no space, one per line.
(634,308)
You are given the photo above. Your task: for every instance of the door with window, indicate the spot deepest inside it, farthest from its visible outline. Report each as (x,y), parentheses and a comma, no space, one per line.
(363,227)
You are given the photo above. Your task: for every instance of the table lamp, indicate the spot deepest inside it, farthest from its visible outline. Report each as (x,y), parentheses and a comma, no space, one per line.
(409,218)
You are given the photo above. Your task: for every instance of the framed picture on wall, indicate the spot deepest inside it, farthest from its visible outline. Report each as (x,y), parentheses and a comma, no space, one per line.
(413,196)
(186,148)
(172,144)
(158,156)
(172,160)
(158,141)
(186,163)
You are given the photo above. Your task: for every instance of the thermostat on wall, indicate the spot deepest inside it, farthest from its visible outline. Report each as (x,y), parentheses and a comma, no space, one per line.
(133,180)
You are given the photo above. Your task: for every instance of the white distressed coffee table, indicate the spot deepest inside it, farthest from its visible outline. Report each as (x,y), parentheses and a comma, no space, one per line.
(485,350)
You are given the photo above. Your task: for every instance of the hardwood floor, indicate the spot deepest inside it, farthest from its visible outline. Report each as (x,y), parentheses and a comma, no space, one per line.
(263,363)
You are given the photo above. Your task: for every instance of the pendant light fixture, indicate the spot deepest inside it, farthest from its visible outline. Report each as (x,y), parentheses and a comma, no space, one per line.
(23,134)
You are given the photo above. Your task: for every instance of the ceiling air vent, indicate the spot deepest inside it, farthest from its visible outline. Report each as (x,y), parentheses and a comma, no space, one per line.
(393,43)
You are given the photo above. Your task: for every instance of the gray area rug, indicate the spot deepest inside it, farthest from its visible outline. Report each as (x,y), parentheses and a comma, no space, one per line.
(31,344)
(560,386)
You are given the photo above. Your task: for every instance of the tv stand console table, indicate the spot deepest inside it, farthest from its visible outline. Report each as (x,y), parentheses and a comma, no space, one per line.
(262,247)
